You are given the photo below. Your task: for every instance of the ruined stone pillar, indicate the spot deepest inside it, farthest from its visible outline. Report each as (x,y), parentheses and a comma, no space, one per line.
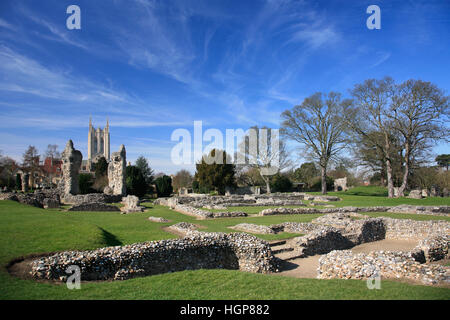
(24,177)
(117,172)
(71,163)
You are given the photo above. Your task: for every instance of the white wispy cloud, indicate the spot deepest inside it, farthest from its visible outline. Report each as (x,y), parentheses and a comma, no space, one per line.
(6,25)
(380,58)
(27,77)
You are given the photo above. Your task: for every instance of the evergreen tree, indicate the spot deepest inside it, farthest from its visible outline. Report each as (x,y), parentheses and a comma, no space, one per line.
(280,183)
(443,160)
(216,175)
(135,181)
(164,186)
(101,167)
(18,182)
(147,172)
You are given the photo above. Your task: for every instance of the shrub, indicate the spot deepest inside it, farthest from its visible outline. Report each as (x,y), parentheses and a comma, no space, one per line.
(197,188)
(317,184)
(135,182)
(18,182)
(100,183)
(216,175)
(164,186)
(280,183)
(101,167)
(85,182)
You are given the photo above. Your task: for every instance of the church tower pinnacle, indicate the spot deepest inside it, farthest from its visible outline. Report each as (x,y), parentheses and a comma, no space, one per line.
(98,142)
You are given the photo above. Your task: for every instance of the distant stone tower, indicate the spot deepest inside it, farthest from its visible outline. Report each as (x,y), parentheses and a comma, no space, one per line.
(117,173)
(98,143)
(71,162)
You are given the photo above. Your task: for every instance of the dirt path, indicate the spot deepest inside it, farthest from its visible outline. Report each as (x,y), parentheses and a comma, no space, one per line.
(307,267)
(386,245)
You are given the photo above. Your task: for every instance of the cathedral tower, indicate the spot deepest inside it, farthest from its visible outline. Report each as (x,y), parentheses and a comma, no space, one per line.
(98,142)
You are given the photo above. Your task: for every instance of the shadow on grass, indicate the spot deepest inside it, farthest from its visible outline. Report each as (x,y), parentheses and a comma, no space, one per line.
(110,239)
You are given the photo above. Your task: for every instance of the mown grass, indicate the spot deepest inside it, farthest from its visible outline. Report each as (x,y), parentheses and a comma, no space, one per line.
(27,230)
(353,199)
(222,284)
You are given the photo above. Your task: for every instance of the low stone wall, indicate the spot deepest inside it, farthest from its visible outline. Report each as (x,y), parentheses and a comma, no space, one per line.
(321,241)
(320,198)
(367,230)
(295,227)
(203,214)
(131,204)
(158,219)
(183,227)
(40,198)
(432,210)
(253,228)
(386,264)
(207,201)
(324,239)
(50,203)
(94,206)
(90,197)
(191,211)
(281,210)
(341,219)
(238,251)
(434,248)
(410,229)
(8,196)
(278,202)
(228,214)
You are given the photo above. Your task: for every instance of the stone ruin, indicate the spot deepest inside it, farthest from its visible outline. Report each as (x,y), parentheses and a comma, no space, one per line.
(68,187)
(94,206)
(117,172)
(71,159)
(93,201)
(415,194)
(434,191)
(131,204)
(332,235)
(24,180)
(340,184)
(198,250)
(200,206)
(47,199)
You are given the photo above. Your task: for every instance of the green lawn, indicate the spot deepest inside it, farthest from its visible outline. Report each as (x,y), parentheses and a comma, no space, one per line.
(25,230)
(357,197)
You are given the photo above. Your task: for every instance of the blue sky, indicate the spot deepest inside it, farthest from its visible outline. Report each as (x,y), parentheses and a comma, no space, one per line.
(155,66)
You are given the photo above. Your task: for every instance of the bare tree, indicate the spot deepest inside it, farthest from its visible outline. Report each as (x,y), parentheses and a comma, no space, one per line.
(262,149)
(31,162)
(369,113)
(182,179)
(52,152)
(7,167)
(419,113)
(317,124)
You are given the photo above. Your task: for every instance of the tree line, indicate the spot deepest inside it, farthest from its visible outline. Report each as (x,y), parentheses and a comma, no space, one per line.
(387,126)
